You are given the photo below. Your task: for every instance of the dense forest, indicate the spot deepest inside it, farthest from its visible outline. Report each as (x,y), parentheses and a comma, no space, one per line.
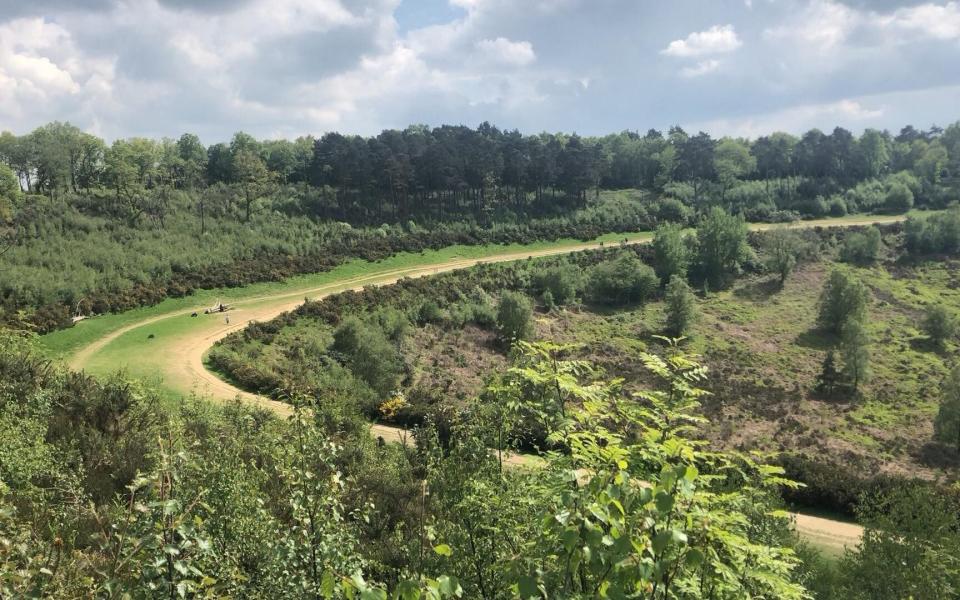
(89,228)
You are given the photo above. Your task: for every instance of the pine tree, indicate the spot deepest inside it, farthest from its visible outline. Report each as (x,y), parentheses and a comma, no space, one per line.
(946,426)
(681,307)
(855,350)
(829,376)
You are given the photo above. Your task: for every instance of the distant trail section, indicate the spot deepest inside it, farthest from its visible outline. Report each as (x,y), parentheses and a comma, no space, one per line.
(178,356)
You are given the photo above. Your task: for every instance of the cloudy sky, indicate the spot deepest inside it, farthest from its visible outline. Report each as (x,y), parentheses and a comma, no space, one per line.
(283,68)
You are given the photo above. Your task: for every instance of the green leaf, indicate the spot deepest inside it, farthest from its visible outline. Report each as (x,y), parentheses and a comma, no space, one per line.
(660,541)
(528,587)
(327,585)
(443,550)
(694,558)
(664,502)
(449,586)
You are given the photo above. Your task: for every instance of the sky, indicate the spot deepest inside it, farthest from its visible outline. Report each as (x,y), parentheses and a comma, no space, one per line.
(285,68)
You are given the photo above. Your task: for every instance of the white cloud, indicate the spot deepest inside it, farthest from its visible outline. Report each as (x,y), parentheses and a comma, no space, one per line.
(39,70)
(930,20)
(797,119)
(702,68)
(507,52)
(718,39)
(160,67)
(823,25)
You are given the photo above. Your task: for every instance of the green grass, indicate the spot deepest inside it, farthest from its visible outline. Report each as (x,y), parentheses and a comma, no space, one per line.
(60,344)
(765,354)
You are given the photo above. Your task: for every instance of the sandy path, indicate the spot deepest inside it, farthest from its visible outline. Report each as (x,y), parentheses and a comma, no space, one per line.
(183,370)
(828,534)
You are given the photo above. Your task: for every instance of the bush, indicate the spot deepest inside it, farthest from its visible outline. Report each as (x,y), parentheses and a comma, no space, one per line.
(563,282)
(861,248)
(681,307)
(829,486)
(722,245)
(935,233)
(910,546)
(939,324)
(837,207)
(670,252)
(899,199)
(513,316)
(671,210)
(782,247)
(844,298)
(429,312)
(866,196)
(624,280)
(392,322)
(946,427)
(369,354)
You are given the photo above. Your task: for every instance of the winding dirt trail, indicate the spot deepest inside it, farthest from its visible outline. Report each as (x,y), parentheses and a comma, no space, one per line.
(179,359)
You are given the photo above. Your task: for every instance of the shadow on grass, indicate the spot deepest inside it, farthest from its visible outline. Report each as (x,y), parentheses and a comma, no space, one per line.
(925,344)
(758,291)
(816,339)
(938,455)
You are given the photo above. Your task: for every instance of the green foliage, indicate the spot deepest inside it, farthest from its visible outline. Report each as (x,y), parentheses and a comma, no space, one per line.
(855,352)
(733,161)
(652,513)
(782,248)
(624,280)
(562,282)
(111,228)
(157,544)
(861,248)
(844,299)
(317,553)
(429,312)
(9,193)
(722,245)
(899,198)
(370,355)
(671,255)
(672,210)
(681,307)
(939,324)
(946,426)
(935,233)
(514,311)
(829,377)
(910,549)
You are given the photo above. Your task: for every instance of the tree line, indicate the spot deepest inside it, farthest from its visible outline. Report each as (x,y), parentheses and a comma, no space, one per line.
(449,172)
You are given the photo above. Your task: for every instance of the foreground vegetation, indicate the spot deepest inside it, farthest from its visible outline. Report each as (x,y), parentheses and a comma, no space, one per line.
(107,493)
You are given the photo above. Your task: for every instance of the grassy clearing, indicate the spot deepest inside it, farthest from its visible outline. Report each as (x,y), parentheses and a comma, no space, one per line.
(765,353)
(62,343)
